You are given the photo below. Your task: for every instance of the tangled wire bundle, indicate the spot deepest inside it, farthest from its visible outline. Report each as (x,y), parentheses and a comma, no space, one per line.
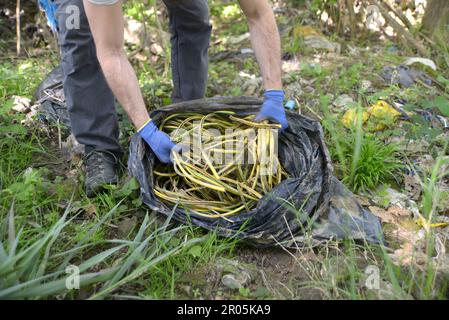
(230,163)
(310,198)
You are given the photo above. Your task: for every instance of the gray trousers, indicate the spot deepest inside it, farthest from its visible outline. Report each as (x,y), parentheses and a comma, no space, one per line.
(90,102)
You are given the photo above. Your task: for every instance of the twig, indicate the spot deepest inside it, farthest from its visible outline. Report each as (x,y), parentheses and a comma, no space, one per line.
(18,27)
(164,43)
(400,15)
(308,108)
(59,135)
(406,36)
(46,164)
(352,17)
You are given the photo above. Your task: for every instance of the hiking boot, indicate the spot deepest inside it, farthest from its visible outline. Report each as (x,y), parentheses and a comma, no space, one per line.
(101,170)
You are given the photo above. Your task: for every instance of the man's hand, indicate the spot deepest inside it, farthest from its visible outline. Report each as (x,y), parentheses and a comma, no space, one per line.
(158,141)
(273,108)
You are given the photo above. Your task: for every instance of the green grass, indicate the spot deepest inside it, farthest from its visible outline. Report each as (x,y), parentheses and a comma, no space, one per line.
(375,163)
(47,224)
(25,271)
(42,231)
(363,159)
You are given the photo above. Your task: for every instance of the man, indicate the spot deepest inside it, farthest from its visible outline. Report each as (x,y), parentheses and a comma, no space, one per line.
(96,69)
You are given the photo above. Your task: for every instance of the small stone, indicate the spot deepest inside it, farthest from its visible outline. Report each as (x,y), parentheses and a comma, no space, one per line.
(233,281)
(230,281)
(366,85)
(235,274)
(319,42)
(344,101)
(156,49)
(21,104)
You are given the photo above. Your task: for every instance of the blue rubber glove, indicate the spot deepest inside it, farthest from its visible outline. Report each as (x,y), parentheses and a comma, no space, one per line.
(158,141)
(49,7)
(273,108)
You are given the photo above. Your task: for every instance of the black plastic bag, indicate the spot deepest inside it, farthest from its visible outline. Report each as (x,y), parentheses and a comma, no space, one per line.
(404,75)
(51,100)
(310,199)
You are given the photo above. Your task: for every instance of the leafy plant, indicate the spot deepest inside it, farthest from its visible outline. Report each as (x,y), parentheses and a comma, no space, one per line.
(375,163)
(364,160)
(25,270)
(440,103)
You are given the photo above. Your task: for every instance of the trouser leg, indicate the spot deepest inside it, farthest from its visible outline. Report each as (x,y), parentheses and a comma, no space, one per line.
(90,101)
(190,30)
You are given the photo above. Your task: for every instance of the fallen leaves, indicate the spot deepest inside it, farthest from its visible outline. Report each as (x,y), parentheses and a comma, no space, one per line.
(401,229)
(382,214)
(398,211)
(408,255)
(21,104)
(412,186)
(392,214)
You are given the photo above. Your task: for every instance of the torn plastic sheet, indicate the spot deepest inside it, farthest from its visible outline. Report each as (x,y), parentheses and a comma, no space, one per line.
(50,98)
(405,76)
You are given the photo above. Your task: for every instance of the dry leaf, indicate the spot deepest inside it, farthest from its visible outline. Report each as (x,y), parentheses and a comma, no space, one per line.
(90,210)
(156,49)
(21,104)
(403,256)
(411,184)
(407,255)
(382,214)
(397,211)
(363,201)
(408,231)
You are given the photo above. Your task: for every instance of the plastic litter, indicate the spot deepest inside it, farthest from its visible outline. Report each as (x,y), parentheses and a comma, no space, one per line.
(427,62)
(311,199)
(290,105)
(405,76)
(50,7)
(378,114)
(50,99)
(49,96)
